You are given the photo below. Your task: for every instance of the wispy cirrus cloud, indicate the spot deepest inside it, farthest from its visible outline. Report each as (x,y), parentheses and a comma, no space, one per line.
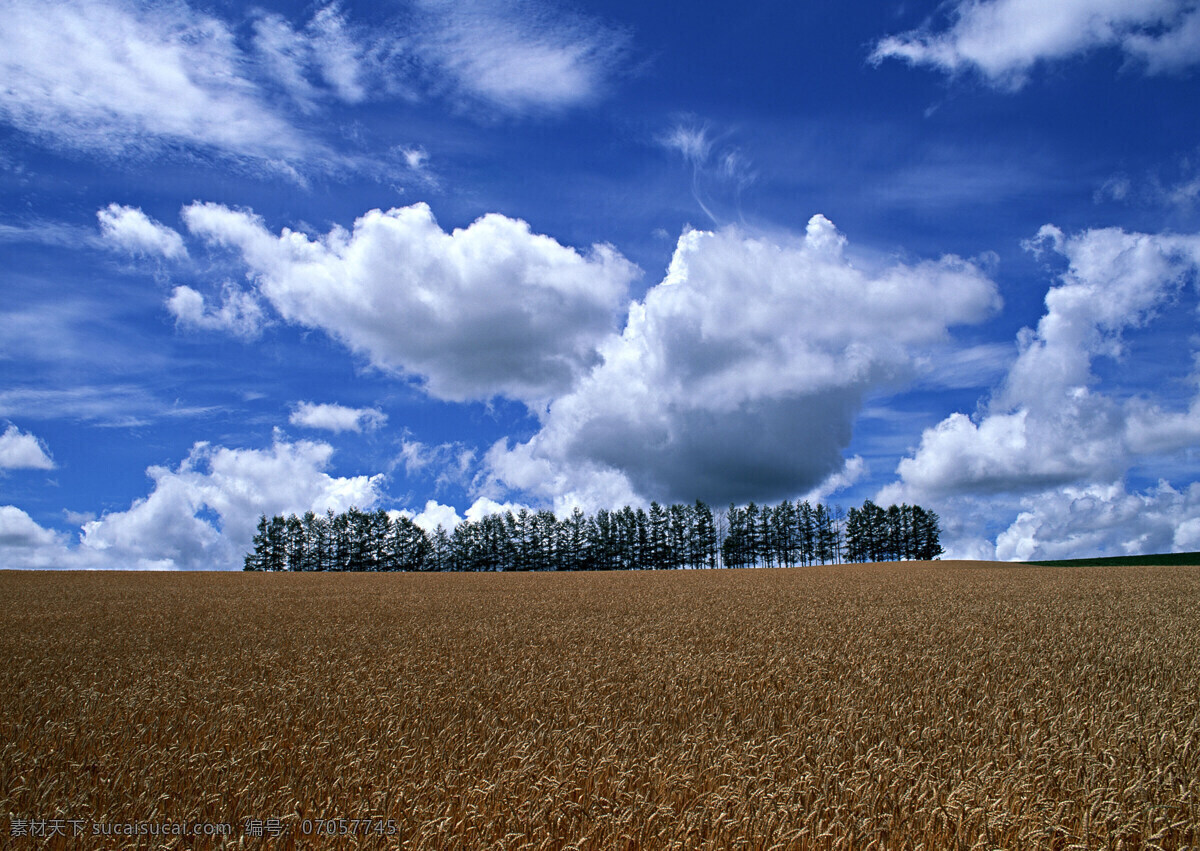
(114,405)
(714,160)
(328,58)
(49,233)
(449,464)
(113,77)
(517,55)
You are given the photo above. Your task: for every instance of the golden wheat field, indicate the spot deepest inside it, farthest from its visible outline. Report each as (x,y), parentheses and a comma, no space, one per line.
(947,705)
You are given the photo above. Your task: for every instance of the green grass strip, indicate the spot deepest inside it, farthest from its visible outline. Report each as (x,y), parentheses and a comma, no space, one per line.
(1116,561)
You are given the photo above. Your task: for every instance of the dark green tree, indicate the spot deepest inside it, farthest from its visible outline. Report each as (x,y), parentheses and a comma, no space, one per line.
(258,558)
(705,551)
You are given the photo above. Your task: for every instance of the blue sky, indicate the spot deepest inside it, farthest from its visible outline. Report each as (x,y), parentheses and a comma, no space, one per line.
(447,258)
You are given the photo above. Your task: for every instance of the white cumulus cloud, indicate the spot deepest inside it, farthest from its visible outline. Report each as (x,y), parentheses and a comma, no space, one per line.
(490,309)
(1103,519)
(1051,438)
(1048,424)
(25,544)
(202,514)
(433,515)
(239,313)
(739,375)
(337,418)
(22,451)
(1004,39)
(132,230)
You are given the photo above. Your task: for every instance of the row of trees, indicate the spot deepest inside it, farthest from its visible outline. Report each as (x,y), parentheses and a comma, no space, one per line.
(661,538)
(896,533)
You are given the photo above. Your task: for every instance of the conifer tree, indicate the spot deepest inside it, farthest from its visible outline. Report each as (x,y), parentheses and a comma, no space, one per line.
(658,536)
(574,543)
(753,544)
(706,536)
(679,534)
(257,558)
(735,548)
(642,557)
